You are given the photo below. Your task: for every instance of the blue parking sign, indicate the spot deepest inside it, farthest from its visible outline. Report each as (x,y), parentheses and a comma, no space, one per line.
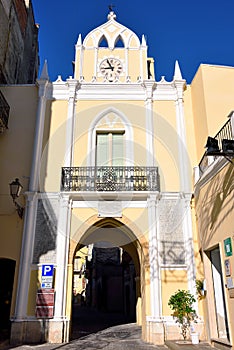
(47,270)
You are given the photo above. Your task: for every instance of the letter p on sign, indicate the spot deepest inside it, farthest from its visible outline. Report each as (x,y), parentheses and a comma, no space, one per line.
(47,270)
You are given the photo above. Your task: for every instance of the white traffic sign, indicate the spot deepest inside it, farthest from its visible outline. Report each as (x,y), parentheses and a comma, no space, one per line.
(47,285)
(45,279)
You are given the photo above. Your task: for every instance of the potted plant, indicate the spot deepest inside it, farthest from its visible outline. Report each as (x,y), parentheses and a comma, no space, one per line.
(181,304)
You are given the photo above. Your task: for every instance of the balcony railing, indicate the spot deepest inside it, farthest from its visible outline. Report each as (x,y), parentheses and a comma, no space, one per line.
(110,178)
(224,133)
(4,113)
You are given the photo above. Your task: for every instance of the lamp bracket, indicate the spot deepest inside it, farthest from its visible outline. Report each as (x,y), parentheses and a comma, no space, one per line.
(19,209)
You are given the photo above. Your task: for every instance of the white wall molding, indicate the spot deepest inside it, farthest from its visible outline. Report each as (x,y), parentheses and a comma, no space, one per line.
(149,86)
(155,279)
(63,233)
(184,165)
(70,127)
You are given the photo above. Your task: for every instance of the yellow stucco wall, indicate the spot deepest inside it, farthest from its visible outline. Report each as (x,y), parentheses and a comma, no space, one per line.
(17,141)
(212,92)
(214,209)
(166,144)
(172,280)
(90,59)
(189,128)
(215,215)
(16,147)
(34,285)
(54,151)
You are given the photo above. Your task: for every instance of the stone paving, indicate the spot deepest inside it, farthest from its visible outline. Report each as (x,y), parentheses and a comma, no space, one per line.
(94,330)
(122,337)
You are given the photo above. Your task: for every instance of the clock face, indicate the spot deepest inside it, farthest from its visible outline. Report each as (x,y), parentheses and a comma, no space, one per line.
(111,68)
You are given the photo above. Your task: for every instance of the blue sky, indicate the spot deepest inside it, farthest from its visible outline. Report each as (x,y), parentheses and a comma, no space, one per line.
(193,32)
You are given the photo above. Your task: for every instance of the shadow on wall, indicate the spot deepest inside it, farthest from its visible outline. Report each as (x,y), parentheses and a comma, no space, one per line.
(216,205)
(46,230)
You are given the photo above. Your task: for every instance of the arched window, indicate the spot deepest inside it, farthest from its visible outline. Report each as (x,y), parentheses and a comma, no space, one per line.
(115,130)
(119,42)
(103,42)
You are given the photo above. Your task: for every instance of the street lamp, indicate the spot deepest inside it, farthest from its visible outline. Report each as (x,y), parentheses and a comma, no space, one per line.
(15,189)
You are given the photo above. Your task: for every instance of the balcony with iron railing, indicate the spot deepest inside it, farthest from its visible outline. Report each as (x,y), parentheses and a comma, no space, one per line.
(4,113)
(225,133)
(110,179)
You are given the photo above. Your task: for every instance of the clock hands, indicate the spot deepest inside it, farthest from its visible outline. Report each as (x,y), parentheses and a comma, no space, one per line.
(110,66)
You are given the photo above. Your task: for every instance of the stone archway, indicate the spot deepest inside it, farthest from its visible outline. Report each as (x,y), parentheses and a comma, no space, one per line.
(111,279)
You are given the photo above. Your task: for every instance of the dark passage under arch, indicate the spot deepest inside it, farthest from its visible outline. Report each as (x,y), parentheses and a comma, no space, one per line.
(105,290)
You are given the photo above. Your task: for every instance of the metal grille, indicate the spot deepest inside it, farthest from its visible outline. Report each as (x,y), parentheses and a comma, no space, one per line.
(4,113)
(110,178)
(224,133)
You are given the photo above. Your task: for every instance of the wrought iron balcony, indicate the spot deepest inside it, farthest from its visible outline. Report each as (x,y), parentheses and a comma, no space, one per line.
(4,113)
(110,178)
(224,133)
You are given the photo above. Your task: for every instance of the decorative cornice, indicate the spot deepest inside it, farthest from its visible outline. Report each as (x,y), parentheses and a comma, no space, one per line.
(128,91)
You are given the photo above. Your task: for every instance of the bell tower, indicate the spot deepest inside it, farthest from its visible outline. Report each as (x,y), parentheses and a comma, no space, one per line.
(112,53)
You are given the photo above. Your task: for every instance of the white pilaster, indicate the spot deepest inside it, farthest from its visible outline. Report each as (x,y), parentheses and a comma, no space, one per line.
(143,49)
(181,131)
(62,257)
(31,201)
(155,290)
(26,256)
(44,85)
(127,62)
(95,62)
(149,122)
(72,86)
(189,248)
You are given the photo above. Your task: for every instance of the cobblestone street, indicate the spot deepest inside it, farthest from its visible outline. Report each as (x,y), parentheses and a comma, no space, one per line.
(93,330)
(122,337)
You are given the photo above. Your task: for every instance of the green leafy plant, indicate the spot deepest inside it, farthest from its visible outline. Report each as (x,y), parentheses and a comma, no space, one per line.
(181,304)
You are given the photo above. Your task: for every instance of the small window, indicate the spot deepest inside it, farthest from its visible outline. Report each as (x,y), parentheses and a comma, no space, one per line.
(103,42)
(119,42)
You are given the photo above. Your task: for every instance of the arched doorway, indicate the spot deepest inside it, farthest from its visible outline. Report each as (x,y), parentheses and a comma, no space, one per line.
(7,273)
(106,278)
